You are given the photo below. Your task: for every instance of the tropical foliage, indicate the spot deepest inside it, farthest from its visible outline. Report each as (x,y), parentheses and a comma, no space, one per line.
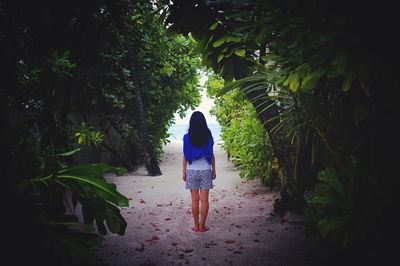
(320,76)
(323,85)
(331,204)
(68,82)
(69,205)
(244,137)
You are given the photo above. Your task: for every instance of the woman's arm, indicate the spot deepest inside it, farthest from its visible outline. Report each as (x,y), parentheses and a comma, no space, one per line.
(184,164)
(214,170)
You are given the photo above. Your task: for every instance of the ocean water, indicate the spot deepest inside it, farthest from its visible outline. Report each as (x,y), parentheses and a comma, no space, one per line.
(178,130)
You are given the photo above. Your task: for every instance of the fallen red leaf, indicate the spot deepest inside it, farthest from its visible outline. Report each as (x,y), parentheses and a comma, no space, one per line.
(230,241)
(142,201)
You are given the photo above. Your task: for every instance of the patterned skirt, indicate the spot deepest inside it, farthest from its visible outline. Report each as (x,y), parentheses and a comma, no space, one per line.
(199,179)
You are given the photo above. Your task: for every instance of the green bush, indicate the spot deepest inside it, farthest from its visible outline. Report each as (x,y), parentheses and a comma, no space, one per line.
(244,137)
(330,207)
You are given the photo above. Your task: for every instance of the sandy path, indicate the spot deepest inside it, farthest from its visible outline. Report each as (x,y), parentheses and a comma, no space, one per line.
(241,229)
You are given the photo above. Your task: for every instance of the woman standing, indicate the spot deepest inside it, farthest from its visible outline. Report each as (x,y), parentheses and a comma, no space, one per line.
(198,167)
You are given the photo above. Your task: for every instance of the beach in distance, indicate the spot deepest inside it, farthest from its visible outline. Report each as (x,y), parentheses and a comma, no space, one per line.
(177,131)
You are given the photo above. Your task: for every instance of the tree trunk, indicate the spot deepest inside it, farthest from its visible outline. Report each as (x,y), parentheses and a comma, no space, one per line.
(300,165)
(281,147)
(151,161)
(150,158)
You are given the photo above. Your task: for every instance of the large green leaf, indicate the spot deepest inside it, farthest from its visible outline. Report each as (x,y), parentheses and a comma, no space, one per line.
(100,187)
(115,222)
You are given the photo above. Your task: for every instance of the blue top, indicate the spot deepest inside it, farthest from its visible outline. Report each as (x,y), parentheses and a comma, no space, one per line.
(192,153)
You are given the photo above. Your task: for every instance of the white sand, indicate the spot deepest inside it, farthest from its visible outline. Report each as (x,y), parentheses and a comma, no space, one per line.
(242,231)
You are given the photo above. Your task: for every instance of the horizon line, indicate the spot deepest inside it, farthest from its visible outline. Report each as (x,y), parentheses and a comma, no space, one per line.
(188,124)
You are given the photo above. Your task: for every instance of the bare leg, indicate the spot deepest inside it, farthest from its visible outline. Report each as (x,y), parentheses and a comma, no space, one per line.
(195,207)
(204,209)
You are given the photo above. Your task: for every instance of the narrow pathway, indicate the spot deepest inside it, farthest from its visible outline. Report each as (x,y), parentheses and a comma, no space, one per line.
(242,230)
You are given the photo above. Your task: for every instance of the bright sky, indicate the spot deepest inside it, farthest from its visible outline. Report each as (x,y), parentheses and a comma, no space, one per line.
(204,107)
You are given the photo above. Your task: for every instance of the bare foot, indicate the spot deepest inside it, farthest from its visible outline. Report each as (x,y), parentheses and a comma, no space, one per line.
(195,228)
(203,229)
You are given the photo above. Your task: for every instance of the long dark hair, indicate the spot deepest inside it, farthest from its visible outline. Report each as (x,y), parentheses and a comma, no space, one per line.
(199,133)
